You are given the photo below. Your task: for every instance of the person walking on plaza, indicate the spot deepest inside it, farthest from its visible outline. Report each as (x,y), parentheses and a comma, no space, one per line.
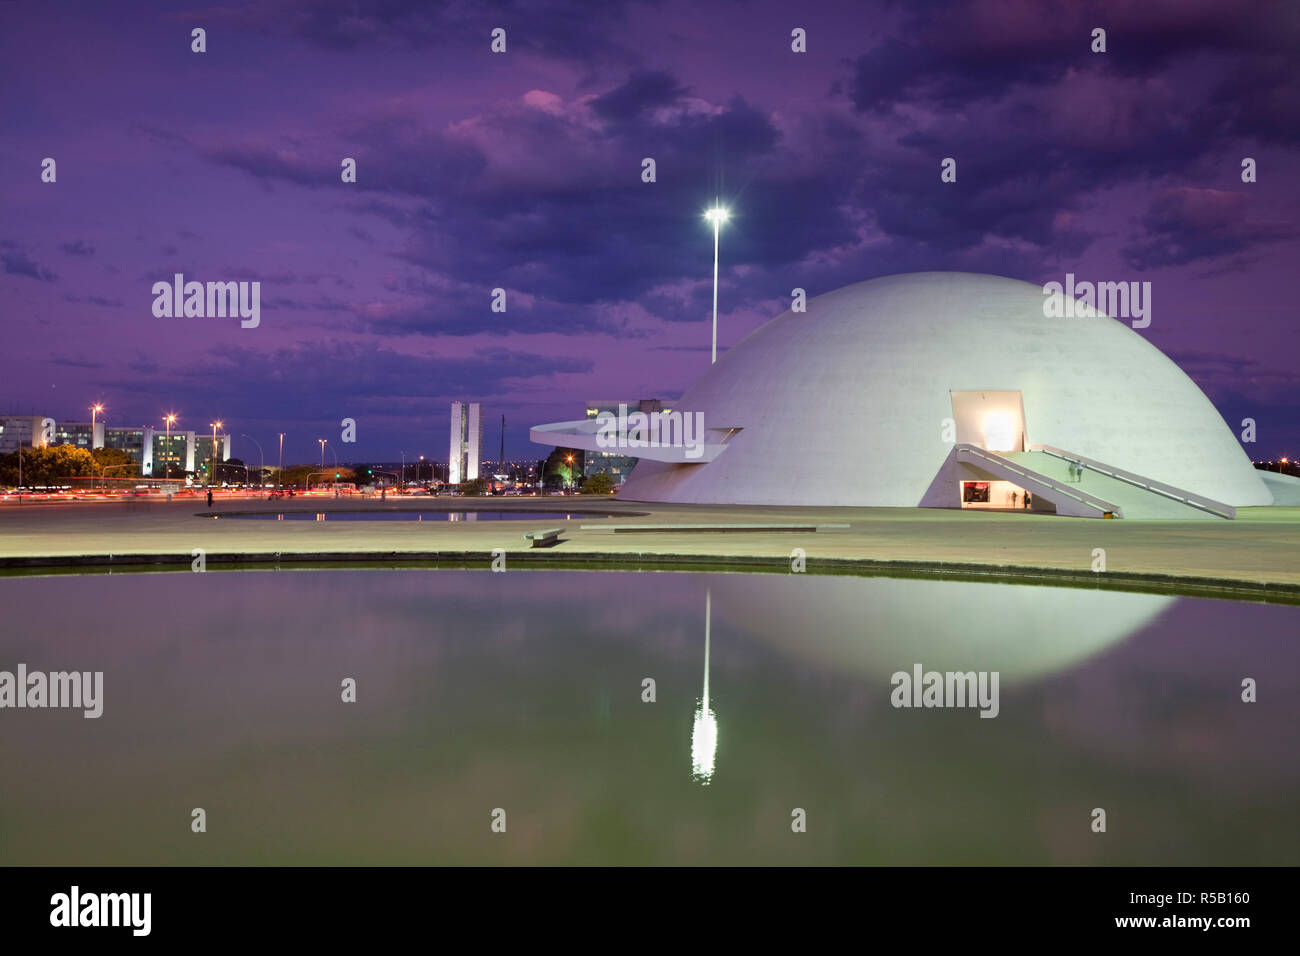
(1014,498)
(209,497)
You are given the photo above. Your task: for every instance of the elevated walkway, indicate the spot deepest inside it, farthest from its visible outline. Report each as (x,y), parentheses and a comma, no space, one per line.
(1141,497)
(1103,491)
(1063,495)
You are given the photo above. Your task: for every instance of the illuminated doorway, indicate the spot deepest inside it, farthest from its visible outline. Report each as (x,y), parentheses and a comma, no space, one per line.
(992,419)
(992,495)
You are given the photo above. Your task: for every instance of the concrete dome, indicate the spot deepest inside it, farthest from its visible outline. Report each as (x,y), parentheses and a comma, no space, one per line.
(852,402)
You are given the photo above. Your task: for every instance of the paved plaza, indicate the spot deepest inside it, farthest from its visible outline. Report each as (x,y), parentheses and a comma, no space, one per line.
(1260,551)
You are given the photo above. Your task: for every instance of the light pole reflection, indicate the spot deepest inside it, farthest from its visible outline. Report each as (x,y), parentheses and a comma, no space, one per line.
(704,735)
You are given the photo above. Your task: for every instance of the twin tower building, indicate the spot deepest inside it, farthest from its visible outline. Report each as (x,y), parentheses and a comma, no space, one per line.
(466,449)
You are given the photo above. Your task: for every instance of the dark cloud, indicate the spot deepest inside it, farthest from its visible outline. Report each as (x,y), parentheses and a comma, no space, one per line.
(322,304)
(76,362)
(101,300)
(952,53)
(78,247)
(1261,98)
(1185,224)
(394,155)
(1038,123)
(643,91)
(265,164)
(596,233)
(18,263)
(1037,129)
(576,30)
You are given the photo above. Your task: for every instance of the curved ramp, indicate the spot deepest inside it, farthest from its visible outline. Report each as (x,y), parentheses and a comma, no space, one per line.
(1102,490)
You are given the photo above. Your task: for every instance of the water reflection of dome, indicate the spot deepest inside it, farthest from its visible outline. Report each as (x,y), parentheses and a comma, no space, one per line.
(876,626)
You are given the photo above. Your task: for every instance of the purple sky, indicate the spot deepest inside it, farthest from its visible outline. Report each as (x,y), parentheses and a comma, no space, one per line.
(522,170)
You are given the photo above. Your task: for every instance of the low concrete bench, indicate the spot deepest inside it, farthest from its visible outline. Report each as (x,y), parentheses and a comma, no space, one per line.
(545,538)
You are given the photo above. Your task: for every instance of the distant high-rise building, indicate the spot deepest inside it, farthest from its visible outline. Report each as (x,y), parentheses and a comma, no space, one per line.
(465,451)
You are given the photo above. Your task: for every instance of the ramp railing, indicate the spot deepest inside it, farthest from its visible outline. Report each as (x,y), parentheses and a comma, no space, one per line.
(966,452)
(1155,487)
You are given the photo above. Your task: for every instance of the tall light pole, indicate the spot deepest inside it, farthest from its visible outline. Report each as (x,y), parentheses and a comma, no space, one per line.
(94,410)
(261,459)
(401,485)
(280,467)
(213,473)
(717,215)
(322,452)
(169,419)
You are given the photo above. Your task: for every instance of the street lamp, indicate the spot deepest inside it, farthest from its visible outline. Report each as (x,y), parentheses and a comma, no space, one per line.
(322,452)
(280,467)
(170,420)
(213,472)
(717,215)
(569,459)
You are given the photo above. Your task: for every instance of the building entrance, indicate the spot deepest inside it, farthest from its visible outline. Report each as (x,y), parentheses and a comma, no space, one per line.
(992,419)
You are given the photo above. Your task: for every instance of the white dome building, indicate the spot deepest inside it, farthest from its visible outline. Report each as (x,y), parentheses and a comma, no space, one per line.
(951,390)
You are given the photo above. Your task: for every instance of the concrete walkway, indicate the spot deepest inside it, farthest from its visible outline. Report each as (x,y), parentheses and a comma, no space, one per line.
(1133,502)
(1261,549)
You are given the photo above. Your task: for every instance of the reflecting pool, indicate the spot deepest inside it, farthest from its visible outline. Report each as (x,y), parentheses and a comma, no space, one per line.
(479,514)
(637,717)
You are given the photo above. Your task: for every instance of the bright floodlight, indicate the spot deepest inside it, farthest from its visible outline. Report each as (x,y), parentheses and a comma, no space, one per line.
(999,432)
(718,214)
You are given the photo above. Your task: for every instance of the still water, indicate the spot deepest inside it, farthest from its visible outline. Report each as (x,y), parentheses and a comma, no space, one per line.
(476,515)
(523,692)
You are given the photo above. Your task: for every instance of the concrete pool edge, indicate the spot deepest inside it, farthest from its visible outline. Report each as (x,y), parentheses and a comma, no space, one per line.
(1148,582)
